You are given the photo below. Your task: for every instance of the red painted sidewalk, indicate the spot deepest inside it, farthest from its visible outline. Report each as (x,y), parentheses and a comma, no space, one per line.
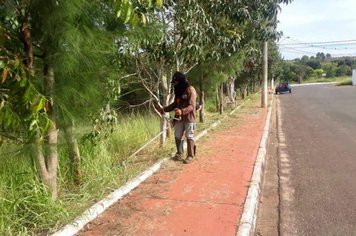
(205,197)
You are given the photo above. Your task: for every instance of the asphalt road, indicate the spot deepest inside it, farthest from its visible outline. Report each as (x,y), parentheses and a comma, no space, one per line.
(316,164)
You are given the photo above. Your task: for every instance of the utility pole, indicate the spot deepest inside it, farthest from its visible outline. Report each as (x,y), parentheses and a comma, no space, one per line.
(265,75)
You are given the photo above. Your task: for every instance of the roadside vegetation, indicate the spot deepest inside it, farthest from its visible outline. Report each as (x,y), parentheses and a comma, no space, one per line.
(344,82)
(317,69)
(80,80)
(336,80)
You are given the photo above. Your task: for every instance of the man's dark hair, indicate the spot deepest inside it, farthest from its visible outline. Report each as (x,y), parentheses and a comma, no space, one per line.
(182,84)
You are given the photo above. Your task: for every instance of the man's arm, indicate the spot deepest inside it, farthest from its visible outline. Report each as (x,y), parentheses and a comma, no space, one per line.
(170,107)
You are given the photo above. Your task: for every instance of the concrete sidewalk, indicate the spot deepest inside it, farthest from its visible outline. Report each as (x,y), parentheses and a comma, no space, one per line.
(205,197)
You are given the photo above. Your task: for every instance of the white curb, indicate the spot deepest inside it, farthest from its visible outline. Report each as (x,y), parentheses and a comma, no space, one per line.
(249,215)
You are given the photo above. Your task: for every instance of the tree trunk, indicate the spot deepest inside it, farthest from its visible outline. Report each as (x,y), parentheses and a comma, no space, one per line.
(202,100)
(47,165)
(231,91)
(221,98)
(164,124)
(27,42)
(272,84)
(217,99)
(300,79)
(74,153)
(243,92)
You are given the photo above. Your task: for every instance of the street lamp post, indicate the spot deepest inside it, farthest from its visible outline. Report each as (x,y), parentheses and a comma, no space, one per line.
(265,75)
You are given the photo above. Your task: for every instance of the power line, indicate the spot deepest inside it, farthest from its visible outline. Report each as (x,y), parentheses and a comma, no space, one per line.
(338,42)
(343,47)
(300,52)
(327,47)
(296,50)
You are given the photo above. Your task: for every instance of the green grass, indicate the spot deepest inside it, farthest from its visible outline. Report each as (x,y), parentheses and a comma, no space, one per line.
(24,201)
(344,82)
(27,208)
(326,80)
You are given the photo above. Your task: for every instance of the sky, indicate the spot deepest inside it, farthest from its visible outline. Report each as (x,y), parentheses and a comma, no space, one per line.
(311,26)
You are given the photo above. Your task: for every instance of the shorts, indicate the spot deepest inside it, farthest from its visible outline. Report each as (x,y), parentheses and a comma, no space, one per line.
(188,127)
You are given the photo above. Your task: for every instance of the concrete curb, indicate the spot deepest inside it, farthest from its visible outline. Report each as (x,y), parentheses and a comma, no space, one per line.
(98,208)
(249,215)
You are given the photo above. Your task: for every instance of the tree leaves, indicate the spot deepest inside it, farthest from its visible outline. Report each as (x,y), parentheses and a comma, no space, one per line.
(133,12)
(3,75)
(22,113)
(183,34)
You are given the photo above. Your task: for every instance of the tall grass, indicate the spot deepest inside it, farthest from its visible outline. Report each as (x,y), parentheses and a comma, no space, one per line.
(26,207)
(325,80)
(24,202)
(344,82)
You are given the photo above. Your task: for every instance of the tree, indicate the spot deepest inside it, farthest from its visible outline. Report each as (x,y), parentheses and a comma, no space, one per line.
(304,59)
(22,109)
(320,56)
(343,70)
(301,72)
(328,56)
(55,42)
(288,73)
(314,63)
(251,67)
(275,62)
(58,55)
(329,68)
(318,73)
(266,28)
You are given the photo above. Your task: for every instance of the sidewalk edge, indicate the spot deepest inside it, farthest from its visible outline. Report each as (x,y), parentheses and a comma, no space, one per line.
(249,215)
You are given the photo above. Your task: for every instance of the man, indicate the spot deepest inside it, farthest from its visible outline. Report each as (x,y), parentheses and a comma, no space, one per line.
(184,106)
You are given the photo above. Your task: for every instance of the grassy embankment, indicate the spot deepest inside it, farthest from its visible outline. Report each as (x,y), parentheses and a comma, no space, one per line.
(343,80)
